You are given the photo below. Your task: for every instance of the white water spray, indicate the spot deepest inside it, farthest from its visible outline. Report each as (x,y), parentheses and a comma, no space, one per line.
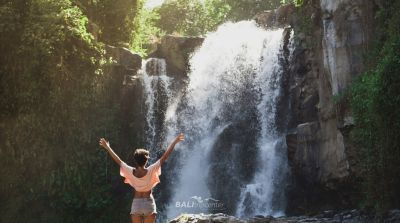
(235,76)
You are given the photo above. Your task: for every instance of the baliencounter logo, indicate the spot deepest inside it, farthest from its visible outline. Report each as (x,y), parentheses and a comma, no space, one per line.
(198,202)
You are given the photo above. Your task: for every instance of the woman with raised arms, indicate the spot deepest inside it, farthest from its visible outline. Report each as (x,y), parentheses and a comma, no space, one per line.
(142,179)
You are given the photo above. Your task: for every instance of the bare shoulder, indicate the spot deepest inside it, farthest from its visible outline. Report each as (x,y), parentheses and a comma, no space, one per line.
(155,164)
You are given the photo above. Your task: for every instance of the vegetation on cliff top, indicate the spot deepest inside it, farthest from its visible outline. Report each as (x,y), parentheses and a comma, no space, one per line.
(375,102)
(192,18)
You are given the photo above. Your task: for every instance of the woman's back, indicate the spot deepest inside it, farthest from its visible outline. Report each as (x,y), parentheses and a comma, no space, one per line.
(144,183)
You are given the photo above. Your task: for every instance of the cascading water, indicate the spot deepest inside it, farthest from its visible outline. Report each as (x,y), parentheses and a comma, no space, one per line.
(228,111)
(157,92)
(265,194)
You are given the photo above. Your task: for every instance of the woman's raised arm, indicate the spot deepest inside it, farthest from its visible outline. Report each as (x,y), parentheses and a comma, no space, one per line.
(178,139)
(106,145)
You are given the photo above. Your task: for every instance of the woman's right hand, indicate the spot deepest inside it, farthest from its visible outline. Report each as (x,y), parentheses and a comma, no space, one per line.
(179,138)
(104,143)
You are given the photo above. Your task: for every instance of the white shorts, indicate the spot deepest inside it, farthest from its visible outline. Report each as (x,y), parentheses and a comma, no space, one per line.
(143,206)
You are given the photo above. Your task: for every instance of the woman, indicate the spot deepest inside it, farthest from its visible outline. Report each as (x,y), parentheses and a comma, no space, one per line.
(142,179)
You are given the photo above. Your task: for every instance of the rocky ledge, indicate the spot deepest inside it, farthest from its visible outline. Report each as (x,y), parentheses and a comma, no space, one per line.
(352,216)
(176,51)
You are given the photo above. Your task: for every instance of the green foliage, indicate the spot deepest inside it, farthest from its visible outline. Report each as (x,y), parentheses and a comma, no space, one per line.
(191,17)
(145,31)
(122,23)
(305,22)
(375,103)
(215,13)
(246,9)
(341,97)
(197,17)
(54,105)
(115,18)
(297,3)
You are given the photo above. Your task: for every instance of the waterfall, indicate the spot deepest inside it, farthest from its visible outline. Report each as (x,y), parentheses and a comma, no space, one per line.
(265,194)
(232,155)
(157,92)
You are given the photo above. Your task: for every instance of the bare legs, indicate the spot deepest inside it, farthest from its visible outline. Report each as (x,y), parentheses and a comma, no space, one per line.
(150,218)
(135,218)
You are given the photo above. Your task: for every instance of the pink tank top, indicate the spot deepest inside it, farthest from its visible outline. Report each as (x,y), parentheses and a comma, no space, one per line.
(145,183)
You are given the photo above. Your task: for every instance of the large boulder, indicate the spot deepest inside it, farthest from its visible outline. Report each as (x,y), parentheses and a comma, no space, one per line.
(176,51)
(125,58)
(278,18)
(206,218)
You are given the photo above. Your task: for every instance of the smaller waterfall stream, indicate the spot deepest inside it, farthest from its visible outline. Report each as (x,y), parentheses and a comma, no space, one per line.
(157,93)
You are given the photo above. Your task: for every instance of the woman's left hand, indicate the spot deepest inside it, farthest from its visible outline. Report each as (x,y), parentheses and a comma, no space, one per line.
(180,138)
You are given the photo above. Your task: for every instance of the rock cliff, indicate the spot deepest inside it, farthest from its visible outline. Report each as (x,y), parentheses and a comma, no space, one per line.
(127,93)
(331,39)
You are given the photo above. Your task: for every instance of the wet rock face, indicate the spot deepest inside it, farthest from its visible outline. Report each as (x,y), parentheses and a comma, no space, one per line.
(155,66)
(331,39)
(345,39)
(304,155)
(126,58)
(233,147)
(176,51)
(128,94)
(346,31)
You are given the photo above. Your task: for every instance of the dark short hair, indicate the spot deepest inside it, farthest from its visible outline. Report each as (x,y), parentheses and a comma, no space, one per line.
(141,156)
